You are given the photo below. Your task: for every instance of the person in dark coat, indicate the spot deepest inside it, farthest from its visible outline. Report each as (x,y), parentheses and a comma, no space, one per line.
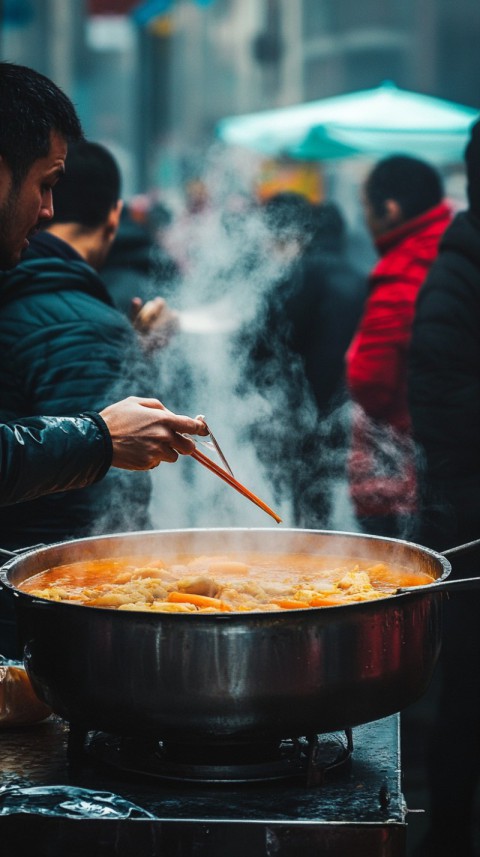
(39,454)
(44,454)
(296,357)
(138,266)
(65,344)
(323,305)
(444,399)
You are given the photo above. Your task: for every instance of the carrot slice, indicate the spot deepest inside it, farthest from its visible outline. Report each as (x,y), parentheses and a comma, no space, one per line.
(198,600)
(290,604)
(322,602)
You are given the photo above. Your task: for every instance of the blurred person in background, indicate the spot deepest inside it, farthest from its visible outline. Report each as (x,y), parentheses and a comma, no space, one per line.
(444,398)
(297,352)
(323,303)
(138,267)
(66,347)
(406,215)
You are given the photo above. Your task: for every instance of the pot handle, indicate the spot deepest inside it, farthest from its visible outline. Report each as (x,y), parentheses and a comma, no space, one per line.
(6,554)
(460,548)
(448,585)
(443,586)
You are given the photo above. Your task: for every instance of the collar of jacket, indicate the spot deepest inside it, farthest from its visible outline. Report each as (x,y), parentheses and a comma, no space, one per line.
(53,273)
(440,214)
(46,244)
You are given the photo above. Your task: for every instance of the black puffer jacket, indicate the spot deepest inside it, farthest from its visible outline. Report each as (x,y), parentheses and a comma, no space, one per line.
(41,455)
(444,387)
(65,348)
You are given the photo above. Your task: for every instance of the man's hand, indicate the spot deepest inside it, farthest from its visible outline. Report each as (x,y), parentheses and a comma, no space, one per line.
(155,321)
(144,433)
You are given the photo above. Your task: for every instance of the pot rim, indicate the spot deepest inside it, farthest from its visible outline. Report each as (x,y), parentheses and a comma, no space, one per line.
(35,550)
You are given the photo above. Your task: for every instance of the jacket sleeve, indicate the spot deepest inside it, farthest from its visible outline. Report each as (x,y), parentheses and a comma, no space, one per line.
(42,455)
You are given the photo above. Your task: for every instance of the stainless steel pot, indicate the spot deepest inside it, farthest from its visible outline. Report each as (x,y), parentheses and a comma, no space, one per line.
(230,677)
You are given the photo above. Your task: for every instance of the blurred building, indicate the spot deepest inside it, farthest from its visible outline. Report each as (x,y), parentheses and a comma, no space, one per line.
(151,79)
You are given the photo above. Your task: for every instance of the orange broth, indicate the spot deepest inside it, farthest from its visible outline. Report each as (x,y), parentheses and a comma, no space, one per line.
(251,581)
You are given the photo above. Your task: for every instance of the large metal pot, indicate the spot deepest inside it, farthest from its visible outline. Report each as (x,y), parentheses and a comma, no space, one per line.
(230,677)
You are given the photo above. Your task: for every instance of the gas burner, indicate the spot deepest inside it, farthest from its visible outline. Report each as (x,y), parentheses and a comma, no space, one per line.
(315,759)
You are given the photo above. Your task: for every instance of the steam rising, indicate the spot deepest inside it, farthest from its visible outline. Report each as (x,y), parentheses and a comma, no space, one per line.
(270,431)
(272,439)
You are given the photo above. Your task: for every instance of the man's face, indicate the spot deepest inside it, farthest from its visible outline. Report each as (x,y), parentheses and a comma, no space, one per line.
(376,225)
(23,208)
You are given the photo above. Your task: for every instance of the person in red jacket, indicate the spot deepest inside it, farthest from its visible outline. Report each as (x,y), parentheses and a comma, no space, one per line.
(406,215)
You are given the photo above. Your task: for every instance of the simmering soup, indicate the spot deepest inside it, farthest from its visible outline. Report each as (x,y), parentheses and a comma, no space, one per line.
(250,581)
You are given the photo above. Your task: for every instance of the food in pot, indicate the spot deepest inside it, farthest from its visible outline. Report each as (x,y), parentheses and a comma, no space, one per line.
(221,584)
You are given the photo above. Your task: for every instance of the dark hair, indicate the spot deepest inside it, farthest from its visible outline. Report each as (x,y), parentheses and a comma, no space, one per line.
(414,184)
(90,187)
(289,215)
(31,107)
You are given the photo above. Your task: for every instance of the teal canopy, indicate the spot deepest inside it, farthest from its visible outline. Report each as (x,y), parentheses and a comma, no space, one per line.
(376,122)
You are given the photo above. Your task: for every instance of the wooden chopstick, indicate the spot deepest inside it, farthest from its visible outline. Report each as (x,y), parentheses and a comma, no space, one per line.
(219,471)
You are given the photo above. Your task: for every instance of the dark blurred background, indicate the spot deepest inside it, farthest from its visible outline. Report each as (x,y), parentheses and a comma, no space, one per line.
(151,79)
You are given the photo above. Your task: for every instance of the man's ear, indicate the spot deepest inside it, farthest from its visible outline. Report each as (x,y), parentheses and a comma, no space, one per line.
(393,213)
(113,220)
